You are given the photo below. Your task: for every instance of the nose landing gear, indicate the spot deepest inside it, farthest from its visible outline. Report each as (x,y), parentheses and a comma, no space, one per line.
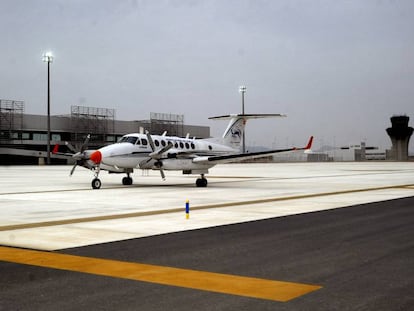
(96,183)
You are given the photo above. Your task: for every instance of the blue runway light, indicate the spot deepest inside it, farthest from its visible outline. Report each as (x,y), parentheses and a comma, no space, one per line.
(187,209)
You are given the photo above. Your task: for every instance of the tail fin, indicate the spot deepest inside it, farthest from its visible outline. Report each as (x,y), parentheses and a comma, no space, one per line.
(309,145)
(233,135)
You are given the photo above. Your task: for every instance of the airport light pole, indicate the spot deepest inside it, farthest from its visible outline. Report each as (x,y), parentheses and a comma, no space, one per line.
(48,58)
(242,90)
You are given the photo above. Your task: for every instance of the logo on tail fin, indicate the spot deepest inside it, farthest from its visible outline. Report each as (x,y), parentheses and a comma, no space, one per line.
(234,132)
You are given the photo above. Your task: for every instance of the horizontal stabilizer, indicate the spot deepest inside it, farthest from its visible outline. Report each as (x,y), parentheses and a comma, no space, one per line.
(248,116)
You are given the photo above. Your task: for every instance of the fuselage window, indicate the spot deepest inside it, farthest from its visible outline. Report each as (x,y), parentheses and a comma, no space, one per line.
(176,145)
(163,143)
(181,145)
(192,146)
(187,146)
(209,147)
(157,143)
(144,141)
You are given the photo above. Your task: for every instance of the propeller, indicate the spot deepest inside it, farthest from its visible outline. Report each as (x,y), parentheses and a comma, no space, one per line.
(80,157)
(157,154)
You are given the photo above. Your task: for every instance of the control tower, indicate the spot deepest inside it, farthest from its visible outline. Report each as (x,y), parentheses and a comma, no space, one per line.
(400,134)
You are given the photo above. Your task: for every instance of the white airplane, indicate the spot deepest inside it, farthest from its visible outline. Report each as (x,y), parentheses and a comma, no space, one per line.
(162,152)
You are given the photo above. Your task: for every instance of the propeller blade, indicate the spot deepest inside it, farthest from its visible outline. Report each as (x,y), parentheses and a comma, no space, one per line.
(151,142)
(78,156)
(157,154)
(70,147)
(85,143)
(162,173)
(73,169)
(166,148)
(81,157)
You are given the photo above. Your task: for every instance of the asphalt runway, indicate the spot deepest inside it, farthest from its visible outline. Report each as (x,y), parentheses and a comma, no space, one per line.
(362,257)
(42,208)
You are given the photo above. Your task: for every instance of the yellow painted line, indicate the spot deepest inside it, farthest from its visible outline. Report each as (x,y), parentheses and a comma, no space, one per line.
(206,281)
(193,208)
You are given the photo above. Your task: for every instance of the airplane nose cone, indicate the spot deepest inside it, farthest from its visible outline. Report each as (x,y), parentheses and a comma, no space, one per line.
(96,157)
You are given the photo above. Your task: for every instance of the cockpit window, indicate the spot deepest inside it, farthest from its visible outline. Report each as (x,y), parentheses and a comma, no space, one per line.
(128,139)
(132,139)
(123,139)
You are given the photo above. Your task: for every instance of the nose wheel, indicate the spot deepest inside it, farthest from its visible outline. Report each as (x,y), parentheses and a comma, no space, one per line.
(96,183)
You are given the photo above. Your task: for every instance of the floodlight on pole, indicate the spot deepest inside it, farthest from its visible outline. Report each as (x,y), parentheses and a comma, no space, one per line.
(48,58)
(242,90)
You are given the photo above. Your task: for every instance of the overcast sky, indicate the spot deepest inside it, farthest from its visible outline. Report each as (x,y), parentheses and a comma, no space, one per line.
(338,69)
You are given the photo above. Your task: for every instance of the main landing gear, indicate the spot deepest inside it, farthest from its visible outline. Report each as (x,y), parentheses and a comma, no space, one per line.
(201,182)
(127,181)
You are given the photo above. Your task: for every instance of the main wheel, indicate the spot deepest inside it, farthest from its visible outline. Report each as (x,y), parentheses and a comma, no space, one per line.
(126,181)
(201,182)
(96,183)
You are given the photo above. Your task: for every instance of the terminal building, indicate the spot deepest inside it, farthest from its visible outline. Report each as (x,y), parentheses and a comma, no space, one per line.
(23,137)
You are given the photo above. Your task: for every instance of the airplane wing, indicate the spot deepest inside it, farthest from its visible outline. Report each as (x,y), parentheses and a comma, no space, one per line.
(252,155)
